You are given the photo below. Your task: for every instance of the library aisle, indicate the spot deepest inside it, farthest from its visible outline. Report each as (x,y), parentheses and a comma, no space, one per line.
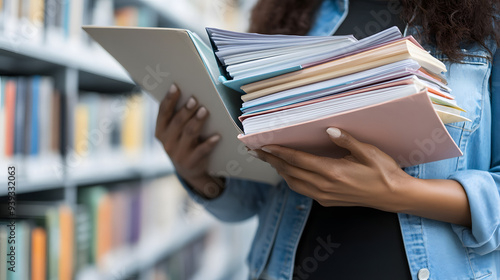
(86,191)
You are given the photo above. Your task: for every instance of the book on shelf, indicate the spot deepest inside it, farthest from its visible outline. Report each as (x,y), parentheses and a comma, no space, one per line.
(30,123)
(107,125)
(142,16)
(38,253)
(4,241)
(57,22)
(107,224)
(287,90)
(18,267)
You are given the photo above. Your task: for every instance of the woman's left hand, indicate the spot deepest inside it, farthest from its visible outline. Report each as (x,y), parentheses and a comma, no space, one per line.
(367,177)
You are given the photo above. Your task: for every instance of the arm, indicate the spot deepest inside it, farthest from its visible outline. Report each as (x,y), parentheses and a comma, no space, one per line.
(483,186)
(469,199)
(179,133)
(442,200)
(240,199)
(369,178)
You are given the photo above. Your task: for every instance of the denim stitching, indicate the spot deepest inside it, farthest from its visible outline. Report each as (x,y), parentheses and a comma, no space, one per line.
(289,252)
(484,276)
(460,144)
(468,258)
(263,261)
(488,70)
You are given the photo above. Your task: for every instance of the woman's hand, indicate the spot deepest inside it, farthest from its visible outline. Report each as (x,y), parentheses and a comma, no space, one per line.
(179,132)
(367,177)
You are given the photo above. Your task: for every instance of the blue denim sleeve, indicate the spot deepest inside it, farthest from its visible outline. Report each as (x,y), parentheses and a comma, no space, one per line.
(483,187)
(240,199)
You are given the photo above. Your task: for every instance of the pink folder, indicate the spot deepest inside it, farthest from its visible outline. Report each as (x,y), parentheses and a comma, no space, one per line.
(408,129)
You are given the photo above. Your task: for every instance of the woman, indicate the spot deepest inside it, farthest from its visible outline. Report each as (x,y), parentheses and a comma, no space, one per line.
(439,220)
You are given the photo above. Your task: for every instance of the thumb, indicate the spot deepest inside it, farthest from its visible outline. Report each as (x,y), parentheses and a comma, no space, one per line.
(346,141)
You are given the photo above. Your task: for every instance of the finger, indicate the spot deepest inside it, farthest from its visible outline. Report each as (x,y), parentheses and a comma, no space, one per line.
(166,110)
(351,158)
(203,150)
(296,158)
(284,168)
(346,141)
(191,131)
(178,121)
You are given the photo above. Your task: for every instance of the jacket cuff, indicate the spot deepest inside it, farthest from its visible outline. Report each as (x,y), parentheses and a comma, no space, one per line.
(197,197)
(482,188)
(237,202)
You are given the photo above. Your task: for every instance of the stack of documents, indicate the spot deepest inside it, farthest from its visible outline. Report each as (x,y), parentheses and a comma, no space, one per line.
(384,90)
(289,80)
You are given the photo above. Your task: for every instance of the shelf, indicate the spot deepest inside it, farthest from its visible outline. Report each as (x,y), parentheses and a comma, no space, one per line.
(227,258)
(32,56)
(45,174)
(112,167)
(180,13)
(123,263)
(82,66)
(33,174)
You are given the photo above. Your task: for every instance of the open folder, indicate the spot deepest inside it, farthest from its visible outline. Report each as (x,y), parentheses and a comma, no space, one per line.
(157,57)
(405,127)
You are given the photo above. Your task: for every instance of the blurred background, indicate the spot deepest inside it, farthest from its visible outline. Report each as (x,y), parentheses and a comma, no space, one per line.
(92,192)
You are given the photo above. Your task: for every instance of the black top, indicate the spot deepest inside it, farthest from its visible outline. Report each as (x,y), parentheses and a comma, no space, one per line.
(355,242)
(350,243)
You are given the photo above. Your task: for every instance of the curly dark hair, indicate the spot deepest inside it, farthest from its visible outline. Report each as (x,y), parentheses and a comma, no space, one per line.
(447,24)
(292,17)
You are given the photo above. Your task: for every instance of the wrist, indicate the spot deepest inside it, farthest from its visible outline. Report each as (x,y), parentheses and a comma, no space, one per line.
(207,186)
(402,196)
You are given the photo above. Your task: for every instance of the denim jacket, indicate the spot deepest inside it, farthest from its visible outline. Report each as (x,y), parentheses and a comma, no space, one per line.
(435,250)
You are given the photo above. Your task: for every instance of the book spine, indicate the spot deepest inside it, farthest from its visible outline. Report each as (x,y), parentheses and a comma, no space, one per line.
(4,233)
(20,116)
(35,116)
(132,126)
(81,128)
(75,20)
(45,111)
(22,247)
(53,235)
(3,124)
(56,122)
(11,18)
(104,228)
(2,15)
(66,229)
(10,114)
(83,228)
(38,254)
(66,9)
(28,110)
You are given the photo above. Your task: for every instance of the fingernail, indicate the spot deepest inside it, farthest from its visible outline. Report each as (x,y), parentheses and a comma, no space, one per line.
(202,112)
(334,132)
(266,150)
(214,138)
(172,90)
(253,153)
(191,103)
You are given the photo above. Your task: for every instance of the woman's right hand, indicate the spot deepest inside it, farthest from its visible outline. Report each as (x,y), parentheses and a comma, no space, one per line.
(179,132)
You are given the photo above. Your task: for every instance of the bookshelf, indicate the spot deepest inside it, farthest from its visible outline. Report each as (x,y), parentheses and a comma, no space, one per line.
(130,261)
(58,50)
(43,56)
